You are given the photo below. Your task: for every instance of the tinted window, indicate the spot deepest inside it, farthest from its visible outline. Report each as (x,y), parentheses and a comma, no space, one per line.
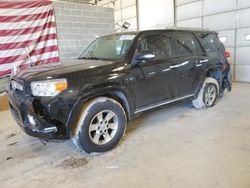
(187,44)
(159,45)
(211,43)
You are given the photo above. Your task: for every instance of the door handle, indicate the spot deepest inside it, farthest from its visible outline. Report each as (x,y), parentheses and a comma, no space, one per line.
(204,61)
(201,62)
(151,73)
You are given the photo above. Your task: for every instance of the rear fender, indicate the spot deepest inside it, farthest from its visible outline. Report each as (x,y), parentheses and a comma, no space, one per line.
(214,72)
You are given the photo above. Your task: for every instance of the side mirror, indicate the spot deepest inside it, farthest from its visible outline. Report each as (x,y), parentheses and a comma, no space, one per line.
(142,57)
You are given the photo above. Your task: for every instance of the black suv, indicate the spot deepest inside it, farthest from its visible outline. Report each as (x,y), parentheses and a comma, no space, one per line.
(117,78)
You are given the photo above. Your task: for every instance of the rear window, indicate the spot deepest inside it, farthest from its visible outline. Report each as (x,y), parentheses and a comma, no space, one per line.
(187,44)
(211,43)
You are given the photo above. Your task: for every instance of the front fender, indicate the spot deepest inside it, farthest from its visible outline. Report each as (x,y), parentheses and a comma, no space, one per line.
(113,91)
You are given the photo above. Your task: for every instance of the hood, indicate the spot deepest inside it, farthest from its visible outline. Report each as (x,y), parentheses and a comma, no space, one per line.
(61,68)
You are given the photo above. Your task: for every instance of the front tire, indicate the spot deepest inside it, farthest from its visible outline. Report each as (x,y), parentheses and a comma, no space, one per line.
(101,125)
(207,95)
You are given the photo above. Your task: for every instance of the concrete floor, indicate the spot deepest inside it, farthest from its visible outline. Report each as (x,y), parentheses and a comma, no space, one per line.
(176,147)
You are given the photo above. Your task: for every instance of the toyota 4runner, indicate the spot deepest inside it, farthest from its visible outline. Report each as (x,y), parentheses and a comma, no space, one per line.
(118,77)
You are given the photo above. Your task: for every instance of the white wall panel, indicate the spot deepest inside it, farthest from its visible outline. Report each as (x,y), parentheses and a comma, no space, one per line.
(232,67)
(127,3)
(192,10)
(154,14)
(242,73)
(129,12)
(220,21)
(181,2)
(243,18)
(243,3)
(217,6)
(197,23)
(241,34)
(117,5)
(242,58)
(118,15)
(230,35)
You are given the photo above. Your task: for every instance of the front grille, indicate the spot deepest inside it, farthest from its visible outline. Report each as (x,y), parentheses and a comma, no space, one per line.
(19,97)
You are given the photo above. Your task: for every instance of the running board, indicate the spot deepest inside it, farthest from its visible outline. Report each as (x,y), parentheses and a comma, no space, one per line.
(161,103)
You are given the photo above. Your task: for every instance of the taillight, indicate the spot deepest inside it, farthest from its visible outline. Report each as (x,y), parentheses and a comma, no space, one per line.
(226,54)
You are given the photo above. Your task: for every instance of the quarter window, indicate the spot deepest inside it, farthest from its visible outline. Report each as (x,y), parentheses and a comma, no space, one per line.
(211,43)
(187,44)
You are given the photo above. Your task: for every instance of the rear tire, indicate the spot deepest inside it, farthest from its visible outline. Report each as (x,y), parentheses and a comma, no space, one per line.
(101,125)
(208,94)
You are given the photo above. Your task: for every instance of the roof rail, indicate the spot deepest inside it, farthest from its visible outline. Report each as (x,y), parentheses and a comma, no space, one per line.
(188,28)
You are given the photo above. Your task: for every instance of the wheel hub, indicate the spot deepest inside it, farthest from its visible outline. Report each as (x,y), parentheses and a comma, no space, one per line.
(210,95)
(103,127)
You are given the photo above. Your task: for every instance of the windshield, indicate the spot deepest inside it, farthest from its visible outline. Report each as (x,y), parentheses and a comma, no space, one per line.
(113,47)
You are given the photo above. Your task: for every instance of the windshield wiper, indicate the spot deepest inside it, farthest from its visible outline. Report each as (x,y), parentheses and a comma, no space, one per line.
(100,58)
(95,58)
(82,58)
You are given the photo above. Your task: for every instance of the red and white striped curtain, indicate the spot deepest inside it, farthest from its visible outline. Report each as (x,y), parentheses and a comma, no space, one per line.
(27,35)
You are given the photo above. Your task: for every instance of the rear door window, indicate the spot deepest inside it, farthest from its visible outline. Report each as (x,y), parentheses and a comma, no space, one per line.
(187,44)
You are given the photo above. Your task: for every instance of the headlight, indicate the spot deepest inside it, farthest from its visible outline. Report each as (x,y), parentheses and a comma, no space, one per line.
(48,88)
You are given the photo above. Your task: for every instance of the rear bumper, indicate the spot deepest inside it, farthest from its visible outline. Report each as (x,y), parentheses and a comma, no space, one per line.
(227,79)
(22,111)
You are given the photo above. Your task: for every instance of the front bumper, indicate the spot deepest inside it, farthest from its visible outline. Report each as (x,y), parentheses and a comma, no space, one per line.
(23,112)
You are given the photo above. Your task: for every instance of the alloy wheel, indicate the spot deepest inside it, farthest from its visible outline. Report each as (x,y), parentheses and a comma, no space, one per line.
(103,127)
(210,95)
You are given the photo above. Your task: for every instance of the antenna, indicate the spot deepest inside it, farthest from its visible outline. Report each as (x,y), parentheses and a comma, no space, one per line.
(15,67)
(31,62)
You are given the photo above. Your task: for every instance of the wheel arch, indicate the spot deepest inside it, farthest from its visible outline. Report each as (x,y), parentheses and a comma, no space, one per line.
(117,94)
(214,72)
(199,102)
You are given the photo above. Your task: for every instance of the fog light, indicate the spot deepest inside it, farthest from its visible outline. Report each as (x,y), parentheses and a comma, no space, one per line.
(31,120)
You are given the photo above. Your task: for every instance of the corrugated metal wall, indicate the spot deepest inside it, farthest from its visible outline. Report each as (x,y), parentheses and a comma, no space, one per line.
(230,18)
